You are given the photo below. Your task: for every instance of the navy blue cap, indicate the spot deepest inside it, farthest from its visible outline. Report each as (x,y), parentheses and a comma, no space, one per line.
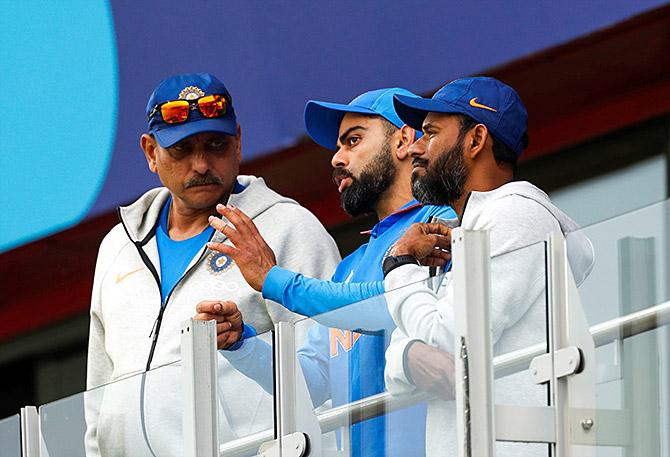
(486,100)
(189,87)
(323,119)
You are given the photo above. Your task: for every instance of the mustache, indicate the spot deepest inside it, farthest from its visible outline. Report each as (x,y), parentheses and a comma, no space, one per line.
(340,173)
(203,180)
(419,162)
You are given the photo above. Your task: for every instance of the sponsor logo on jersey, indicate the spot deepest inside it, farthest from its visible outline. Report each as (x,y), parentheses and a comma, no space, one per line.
(342,339)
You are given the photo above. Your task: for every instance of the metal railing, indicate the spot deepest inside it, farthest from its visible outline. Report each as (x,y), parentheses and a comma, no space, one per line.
(506,364)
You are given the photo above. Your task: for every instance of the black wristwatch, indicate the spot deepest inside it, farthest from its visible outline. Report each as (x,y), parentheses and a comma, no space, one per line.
(394,261)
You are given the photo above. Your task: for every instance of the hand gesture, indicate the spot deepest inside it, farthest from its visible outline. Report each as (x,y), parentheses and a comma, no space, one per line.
(229,325)
(250,252)
(429,243)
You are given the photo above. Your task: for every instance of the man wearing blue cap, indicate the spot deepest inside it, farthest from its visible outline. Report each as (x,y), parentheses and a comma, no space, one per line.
(372,169)
(154,270)
(474,131)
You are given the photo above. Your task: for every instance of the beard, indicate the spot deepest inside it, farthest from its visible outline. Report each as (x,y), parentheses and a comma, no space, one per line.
(443,182)
(363,193)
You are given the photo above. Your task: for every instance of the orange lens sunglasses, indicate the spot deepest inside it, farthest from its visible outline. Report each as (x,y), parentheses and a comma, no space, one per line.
(177,111)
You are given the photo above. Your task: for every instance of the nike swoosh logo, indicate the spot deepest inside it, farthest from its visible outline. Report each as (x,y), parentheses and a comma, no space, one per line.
(474,103)
(120,277)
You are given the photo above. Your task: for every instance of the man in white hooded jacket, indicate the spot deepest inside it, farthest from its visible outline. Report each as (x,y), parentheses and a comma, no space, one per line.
(154,269)
(474,130)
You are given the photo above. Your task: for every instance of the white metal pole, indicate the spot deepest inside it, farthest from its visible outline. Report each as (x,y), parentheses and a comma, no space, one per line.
(30,432)
(199,368)
(473,351)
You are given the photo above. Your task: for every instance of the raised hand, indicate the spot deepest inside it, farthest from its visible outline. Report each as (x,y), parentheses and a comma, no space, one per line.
(250,252)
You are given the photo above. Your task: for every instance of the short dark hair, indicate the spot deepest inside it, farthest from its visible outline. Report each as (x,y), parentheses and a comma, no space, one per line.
(501,152)
(389,127)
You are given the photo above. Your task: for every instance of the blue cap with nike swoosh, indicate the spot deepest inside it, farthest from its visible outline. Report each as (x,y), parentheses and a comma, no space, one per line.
(486,100)
(322,119)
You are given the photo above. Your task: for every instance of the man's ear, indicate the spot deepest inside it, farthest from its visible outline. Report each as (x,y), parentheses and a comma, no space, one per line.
(406,137)
(475,141)
(148,144)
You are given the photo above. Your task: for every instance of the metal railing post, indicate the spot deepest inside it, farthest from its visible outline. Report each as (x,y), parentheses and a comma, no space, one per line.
(297,431)
(472,345)
(30,432)
(199,374)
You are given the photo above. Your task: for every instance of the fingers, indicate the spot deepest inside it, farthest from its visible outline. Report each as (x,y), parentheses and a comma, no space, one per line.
(223,248)
(442,242)
(436,229)
(242,222)
(433,262)
(209,306)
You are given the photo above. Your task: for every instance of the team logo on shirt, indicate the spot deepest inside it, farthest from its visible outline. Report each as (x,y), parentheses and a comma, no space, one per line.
(218,263)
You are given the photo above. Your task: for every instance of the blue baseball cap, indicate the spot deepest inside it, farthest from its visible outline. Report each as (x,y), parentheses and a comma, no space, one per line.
(322,119)
(189,87)
(486,100)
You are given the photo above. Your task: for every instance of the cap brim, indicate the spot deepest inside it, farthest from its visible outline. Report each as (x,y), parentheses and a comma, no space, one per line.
(413,110)
(168,136)
(322,120)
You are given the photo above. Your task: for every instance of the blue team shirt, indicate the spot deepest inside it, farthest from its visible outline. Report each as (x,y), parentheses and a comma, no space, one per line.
(176,255)
(345,365)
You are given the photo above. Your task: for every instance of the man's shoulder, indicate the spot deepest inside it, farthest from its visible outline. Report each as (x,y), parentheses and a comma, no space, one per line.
(443,212)
(116,238)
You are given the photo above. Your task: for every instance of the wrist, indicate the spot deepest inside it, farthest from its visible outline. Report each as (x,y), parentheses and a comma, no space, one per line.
(394,261)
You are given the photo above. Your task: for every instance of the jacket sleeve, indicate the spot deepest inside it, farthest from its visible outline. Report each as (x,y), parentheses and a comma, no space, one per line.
(517,276)
(99,366)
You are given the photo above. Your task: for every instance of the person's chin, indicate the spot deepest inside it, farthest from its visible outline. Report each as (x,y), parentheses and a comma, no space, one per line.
(206,196)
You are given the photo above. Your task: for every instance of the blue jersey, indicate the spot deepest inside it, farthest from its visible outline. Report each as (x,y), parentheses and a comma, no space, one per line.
(356,361)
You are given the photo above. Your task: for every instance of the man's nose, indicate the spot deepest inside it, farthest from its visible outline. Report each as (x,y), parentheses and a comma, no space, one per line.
(418,148)
(200,161)
(340,159)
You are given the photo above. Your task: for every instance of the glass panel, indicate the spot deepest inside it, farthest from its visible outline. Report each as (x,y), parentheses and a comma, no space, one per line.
(344,359)
(134,416)
(519,321)
(246,405)
(10,436)
(632,374)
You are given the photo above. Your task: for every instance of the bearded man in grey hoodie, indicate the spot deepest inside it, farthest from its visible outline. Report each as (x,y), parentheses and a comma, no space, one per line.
(154,270)
(474,131)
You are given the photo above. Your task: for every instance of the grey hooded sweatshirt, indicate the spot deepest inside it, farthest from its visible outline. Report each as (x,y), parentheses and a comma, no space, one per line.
(136,413)
(518,217)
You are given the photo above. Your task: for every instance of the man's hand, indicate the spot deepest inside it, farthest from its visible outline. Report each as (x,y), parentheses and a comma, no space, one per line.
(229,325)
(250,252)
(429,243)
(431,370)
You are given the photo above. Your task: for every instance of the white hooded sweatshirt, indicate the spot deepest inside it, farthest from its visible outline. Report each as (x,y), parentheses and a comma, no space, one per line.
(518,216)
(142,414)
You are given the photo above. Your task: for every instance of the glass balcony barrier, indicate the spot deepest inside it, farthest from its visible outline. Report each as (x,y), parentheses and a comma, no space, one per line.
(136,415)
(627,413)
(355,385)
(10,436)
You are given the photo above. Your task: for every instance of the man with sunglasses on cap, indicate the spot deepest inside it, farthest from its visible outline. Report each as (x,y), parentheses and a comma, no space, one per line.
(474,131)
(372,170)
(154,270)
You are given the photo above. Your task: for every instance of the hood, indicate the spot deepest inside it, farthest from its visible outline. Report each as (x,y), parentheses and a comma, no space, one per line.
(580,250)
(140,217)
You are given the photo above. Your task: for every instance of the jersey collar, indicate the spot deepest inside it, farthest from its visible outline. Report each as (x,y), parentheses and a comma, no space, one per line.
(383,225)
